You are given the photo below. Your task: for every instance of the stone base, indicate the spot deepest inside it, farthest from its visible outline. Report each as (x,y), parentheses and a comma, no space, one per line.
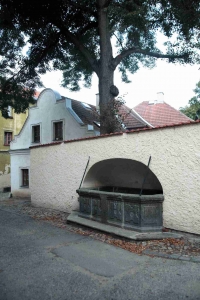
(129,234)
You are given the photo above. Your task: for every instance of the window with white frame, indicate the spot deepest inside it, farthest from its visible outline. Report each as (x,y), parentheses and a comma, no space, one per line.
(36,134)
(58,131)
(7,138)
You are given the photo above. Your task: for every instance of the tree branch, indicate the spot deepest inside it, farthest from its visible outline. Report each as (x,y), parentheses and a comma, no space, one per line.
(39,56)
(93,63)
(119,41)
(87,27)
(137,50)
(77,5)
(76,41)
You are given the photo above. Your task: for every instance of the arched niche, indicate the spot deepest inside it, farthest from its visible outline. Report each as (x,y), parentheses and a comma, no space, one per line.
(122,175)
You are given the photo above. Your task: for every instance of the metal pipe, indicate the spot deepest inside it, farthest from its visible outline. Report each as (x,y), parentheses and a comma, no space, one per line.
(84,172)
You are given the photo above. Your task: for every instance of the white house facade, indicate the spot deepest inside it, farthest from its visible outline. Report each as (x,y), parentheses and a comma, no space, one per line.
(52,119)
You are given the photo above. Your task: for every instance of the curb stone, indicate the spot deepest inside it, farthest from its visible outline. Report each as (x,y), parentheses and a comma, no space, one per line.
(195,259)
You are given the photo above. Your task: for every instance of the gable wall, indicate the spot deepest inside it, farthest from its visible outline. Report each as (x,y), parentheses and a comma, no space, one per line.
(56,171)
(47,111)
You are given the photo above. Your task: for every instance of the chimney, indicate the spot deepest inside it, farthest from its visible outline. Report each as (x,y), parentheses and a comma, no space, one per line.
(97,101)
(160,97)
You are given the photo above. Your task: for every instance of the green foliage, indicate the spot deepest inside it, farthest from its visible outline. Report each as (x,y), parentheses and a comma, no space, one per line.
(67,35)
(192,110)
(14,95)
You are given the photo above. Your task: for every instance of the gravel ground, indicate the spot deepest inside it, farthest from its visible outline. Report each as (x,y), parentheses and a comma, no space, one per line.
(186,248)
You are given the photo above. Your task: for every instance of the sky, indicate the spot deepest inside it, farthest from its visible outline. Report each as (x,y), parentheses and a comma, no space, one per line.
(176,81)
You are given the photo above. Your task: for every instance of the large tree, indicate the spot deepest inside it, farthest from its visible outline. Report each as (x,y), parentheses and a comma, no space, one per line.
(77,37)
(192,110)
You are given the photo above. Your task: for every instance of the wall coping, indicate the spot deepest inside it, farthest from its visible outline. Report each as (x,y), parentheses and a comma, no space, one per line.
(139,130)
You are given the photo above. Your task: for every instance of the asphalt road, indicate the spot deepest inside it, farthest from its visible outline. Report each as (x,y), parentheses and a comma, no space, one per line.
(40,261)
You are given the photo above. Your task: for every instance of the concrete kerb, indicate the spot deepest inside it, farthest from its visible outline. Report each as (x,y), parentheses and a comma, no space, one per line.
(195,259)
(129,234)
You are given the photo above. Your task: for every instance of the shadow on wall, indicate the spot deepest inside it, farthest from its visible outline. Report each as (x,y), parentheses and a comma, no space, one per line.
(123,176)
(5,177)
(6,171)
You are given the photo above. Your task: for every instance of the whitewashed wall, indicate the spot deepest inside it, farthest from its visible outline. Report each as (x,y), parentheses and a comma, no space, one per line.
(20,159)
(50,107)
(56,171)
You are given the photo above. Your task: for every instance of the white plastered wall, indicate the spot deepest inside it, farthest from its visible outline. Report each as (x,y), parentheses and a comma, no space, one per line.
(49,109)
(19,160)
(56,171)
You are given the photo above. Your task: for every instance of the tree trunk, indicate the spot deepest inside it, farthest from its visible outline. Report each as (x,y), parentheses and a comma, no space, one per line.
(106,73)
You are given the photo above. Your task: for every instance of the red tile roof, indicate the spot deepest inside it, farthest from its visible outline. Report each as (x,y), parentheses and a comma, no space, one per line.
(160,114)
(130,119)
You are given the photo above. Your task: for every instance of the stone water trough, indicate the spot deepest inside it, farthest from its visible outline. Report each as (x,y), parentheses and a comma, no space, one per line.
(122,193)
(125,209)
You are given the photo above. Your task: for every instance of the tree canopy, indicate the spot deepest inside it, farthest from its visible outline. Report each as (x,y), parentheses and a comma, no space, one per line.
(77,38)
(192,110)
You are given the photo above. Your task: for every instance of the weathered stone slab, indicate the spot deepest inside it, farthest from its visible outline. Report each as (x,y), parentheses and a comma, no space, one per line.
(130,234)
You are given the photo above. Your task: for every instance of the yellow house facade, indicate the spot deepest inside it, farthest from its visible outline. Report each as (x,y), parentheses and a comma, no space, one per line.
(8,128)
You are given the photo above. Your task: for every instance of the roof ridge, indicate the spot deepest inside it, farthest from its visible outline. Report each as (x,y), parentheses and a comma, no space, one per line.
(138,116)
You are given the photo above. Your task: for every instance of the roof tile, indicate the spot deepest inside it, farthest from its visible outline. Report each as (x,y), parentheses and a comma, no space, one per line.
(160,114)
(88,116)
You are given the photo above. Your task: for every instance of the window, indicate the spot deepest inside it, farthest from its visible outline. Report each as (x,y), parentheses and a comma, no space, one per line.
(7,138)
(58,131)
(36,134)
(25,177)
(85,105)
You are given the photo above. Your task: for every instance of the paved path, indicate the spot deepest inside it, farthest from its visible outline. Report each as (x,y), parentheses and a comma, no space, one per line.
(40,261)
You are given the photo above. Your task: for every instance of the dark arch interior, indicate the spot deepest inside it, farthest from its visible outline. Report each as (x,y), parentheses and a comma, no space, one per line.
(123,176)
